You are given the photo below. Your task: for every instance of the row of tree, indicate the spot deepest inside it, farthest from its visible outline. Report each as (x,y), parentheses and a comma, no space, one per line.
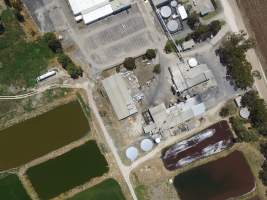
(202,32)
(263,172)
(17,6)
(232,55)
(258,111)
(55,45)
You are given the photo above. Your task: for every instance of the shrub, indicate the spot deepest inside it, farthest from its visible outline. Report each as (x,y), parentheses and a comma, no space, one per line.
(157,69)
(150,54)
(64,60)
(232,55)
(52,42)
(2,28)
(74,71)
(258,111)
(169,47)
(243,134)
(19,16)
(228,109)
(193,21)
(129,63)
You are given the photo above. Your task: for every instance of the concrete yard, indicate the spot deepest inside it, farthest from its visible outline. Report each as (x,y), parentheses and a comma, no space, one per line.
(104,43)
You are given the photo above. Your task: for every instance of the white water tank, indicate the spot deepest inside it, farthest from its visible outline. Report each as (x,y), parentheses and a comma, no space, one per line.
(165,11)
(132,153)
(172,26)
(174,3)
(146,145)
(192,62)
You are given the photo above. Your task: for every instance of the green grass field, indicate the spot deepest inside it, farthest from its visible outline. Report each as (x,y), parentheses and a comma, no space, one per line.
(12,189)
(20,61)
(107,190)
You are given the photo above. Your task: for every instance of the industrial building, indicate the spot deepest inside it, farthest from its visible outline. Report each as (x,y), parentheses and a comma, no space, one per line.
(205,7)
(191,77)
(166,120)
(92,10)
(119,96)
(171,14)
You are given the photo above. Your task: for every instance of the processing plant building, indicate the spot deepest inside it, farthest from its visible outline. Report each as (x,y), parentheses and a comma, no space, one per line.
(119,96)
(92,10)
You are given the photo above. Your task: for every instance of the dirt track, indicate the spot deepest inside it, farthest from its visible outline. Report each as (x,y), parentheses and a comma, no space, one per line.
(255,15)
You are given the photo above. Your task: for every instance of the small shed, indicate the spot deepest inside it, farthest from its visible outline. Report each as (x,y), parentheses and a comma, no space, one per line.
(187,45)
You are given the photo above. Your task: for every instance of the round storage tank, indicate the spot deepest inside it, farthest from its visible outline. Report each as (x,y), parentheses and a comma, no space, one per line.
(165,11)
(132,153)
(172,26)
(146,145)
(174,4)
(192,62)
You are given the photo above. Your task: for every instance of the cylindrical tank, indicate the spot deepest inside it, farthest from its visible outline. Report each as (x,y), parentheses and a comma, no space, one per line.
(174,4)
(172,26)
(165,11)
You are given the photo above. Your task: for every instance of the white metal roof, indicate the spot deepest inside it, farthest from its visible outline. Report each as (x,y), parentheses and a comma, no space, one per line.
(97,13)
(119,96)
(182,12)
(78,6)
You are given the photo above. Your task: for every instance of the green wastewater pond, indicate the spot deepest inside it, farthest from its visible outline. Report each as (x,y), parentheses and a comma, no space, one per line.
(38,136)
(11,188)
(71,169)
(106,190)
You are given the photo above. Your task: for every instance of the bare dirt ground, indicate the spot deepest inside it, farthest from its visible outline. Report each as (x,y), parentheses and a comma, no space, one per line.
(254,15)
(153,175)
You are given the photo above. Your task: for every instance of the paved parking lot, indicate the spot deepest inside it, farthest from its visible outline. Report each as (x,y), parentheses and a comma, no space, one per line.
(104,43)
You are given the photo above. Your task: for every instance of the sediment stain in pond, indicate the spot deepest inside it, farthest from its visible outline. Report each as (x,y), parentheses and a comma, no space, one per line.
(68,170)
(225,178)
(36,137)
(214,139)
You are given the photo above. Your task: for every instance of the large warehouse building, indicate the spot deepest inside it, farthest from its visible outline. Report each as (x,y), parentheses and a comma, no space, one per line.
(119,96)
(92,10)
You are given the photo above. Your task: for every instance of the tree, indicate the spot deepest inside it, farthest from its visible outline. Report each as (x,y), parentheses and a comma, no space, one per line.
(169,47)
(201,33)
(74,71)
(258,111)
(52,42)
(150,54)
(215,26)
(55,46)
(19,16)
(8,3)
(16,4)
(64,60)
(193,21)
(2,28)
(243,134)
(129,63)
(157,69)
(232,55)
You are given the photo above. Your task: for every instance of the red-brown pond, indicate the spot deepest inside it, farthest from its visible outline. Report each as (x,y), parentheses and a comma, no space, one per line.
(225,178)
(212,140)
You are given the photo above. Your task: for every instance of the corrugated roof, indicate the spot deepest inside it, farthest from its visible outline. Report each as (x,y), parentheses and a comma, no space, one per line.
(98,13)
(119,96)
(79,6)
